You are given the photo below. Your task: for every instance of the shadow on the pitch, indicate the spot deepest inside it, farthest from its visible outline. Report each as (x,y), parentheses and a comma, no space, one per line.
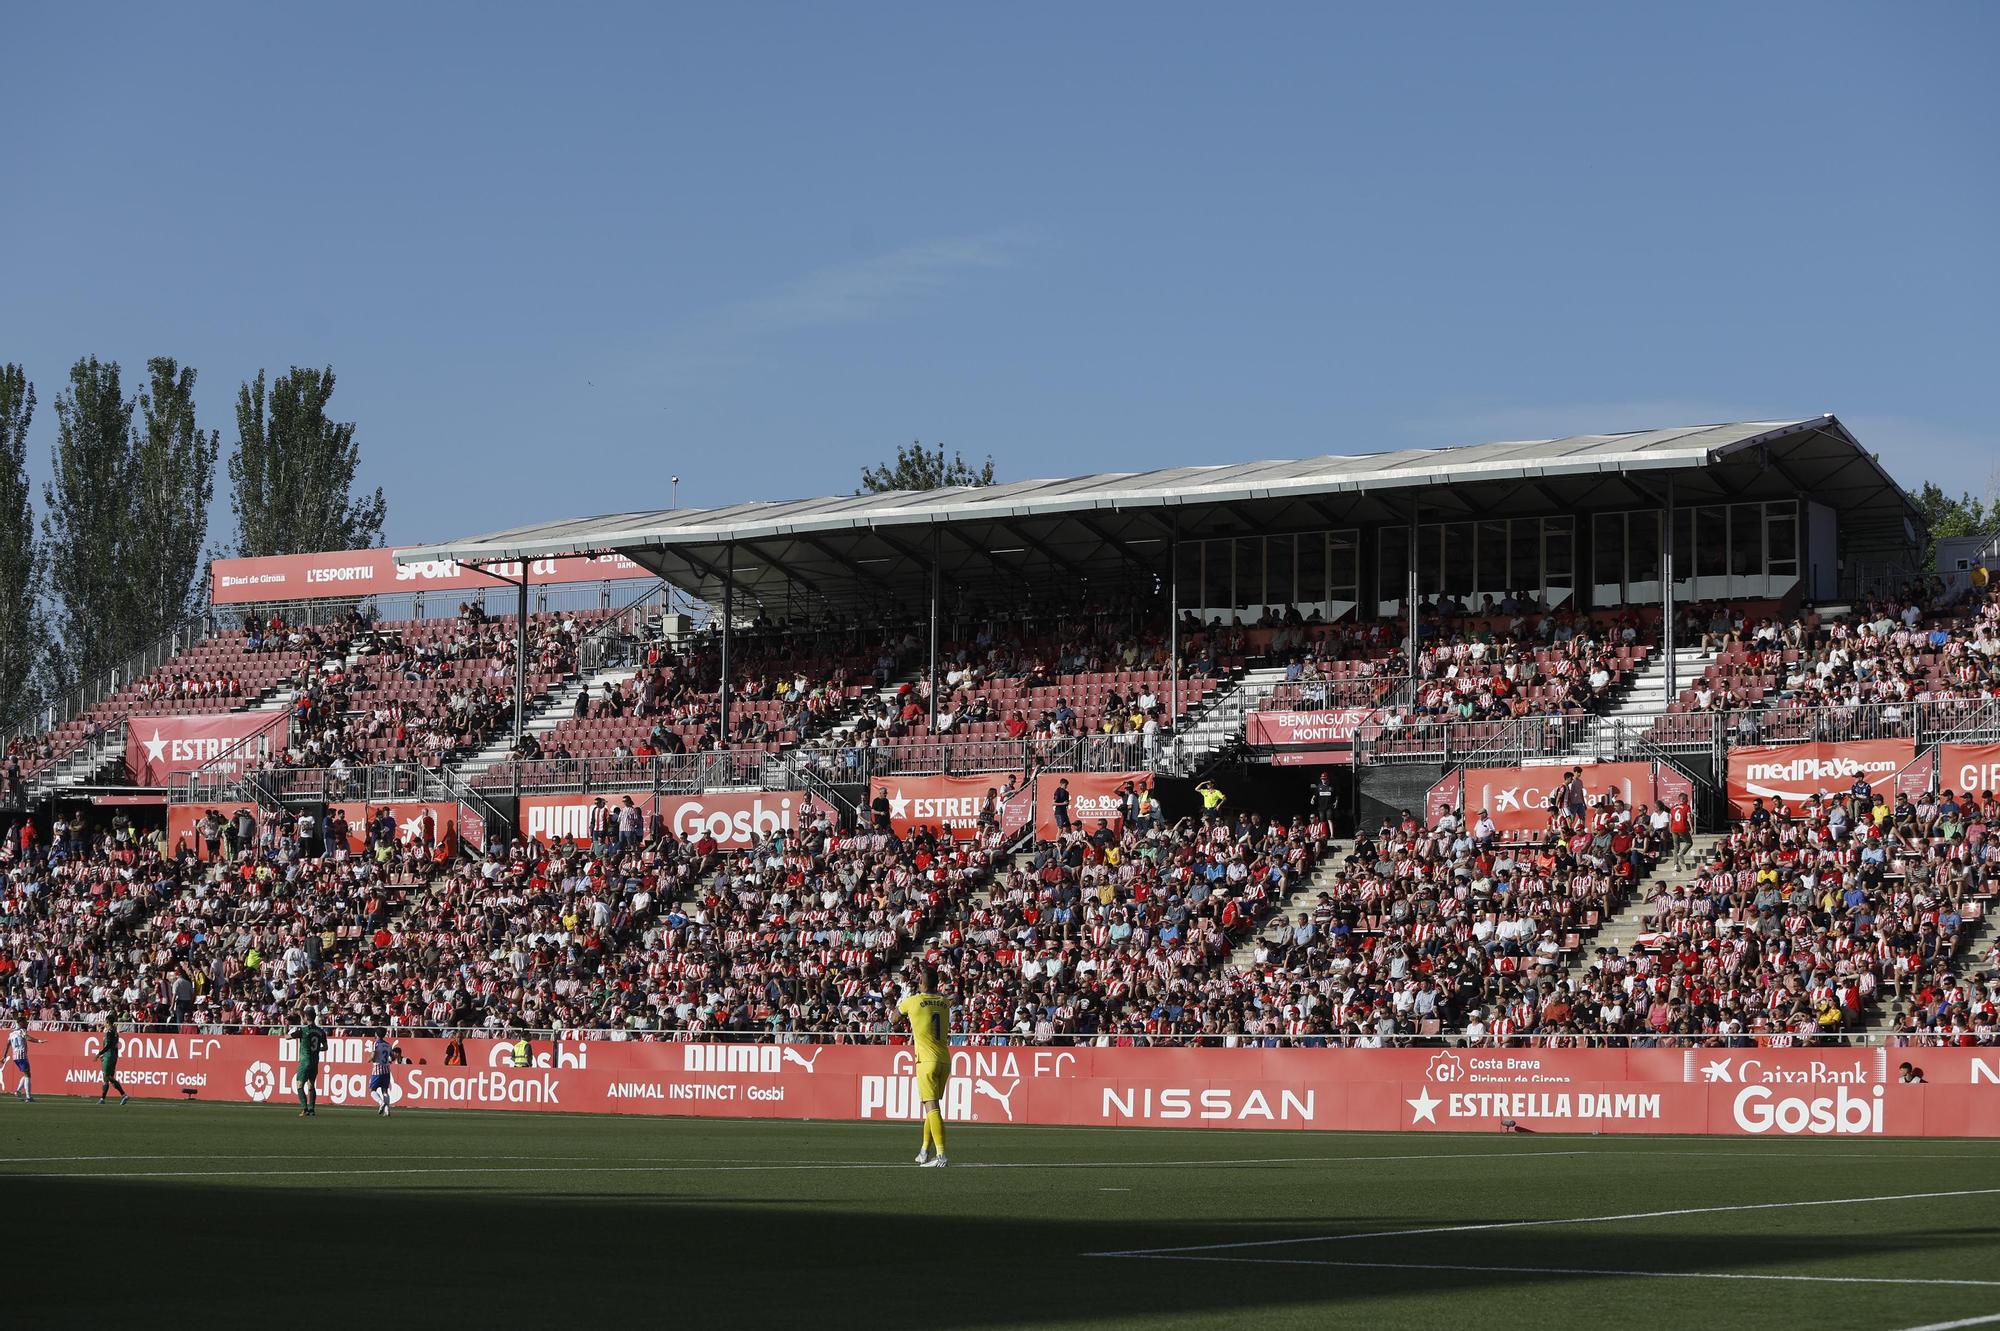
(143,1253)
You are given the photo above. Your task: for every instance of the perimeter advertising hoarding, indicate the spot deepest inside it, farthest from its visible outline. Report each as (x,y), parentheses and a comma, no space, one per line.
(1797,772)
(952,803)
(1322,729)
(1517,797)
(448,822)
(949,803)
(156,747)
(352,574)
(1746,1091)
(1968,768)
(737,820)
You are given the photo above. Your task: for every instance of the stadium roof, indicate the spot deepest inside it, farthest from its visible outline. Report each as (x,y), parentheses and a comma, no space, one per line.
(1117,524)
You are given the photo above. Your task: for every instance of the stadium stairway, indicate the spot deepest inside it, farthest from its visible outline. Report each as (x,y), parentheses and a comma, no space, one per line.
(1626,927)
(1218,724)
(1243,956)
(1642,701)
(1019,857)
(542,718)
(1981,925)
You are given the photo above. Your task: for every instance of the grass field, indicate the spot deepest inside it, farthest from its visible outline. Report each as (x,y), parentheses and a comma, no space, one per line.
(161,1214)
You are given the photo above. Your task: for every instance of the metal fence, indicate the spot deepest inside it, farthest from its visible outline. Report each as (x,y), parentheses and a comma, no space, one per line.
(1002,1039)
(1526,739)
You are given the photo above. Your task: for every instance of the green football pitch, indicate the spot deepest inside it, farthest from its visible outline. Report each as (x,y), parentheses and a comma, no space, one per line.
(162,1214)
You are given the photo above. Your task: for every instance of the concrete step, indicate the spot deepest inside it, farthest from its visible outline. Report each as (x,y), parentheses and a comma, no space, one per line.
(1244,955)
(1884,1014)
(543,718)
(1623,929)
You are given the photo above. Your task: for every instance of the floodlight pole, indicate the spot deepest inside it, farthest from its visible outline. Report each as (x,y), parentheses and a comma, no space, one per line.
(728,613)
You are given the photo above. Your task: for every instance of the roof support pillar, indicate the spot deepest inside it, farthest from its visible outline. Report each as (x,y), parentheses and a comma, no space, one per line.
(937,561)
(1174,630)
(520,586)
(1667,592)
(728,613)
(1410,590)
(521,658)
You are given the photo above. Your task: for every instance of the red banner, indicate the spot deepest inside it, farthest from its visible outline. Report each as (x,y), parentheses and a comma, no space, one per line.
(1092,796)
(158,746)
(410,819)
(351,574)
(1324,729)
(737,820)
(1797,772)
(1749,1091)
(1920,777)
(1517,797)
(949,803)
(448,823)
(1444,796)
(1672,785)
(1968,768)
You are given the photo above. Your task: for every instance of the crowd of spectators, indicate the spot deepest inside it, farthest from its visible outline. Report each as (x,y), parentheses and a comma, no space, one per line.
(421,691)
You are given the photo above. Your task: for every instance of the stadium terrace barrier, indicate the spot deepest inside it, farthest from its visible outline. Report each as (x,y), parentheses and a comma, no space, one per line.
(1498,743)
(1850,1092)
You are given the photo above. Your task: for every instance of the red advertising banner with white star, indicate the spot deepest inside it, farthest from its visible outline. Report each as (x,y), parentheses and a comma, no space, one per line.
(951,803)
(158,746)
(1755,1090)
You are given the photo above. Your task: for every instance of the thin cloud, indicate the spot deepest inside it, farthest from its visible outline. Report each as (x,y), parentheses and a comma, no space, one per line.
(839,295)
(852,293)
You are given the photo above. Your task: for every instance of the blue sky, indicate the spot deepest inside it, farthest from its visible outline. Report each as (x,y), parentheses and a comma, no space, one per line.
(557,253)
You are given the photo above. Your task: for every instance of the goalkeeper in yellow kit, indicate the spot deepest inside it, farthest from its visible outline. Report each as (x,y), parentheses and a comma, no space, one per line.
(929,1015)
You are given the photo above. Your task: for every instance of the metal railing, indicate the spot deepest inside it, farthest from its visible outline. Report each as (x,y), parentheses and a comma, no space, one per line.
(1526,739)
(616,639)
(72,703)
(243,757)
(1330,694)
(1497,743)
(1331,1042)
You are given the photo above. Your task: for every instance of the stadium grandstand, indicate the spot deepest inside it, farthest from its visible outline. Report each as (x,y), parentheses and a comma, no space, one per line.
(1652,736)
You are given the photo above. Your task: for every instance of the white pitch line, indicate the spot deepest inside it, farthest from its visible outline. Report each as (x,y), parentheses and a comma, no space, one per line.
(1585,1271)
(1953,1326)
(711,1166)
(1533,1224)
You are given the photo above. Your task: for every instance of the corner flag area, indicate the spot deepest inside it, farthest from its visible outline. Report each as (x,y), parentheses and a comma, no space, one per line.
(450,1217)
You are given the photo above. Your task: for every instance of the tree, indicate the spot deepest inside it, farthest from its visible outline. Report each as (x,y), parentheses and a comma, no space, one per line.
(83,529)
(917,468)
(20,554)
(173,479)
(292,475)
(1963,516)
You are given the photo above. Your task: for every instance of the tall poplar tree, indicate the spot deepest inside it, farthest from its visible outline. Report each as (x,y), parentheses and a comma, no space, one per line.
(20,554)
(172,481)
(84,527)
(292,476)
